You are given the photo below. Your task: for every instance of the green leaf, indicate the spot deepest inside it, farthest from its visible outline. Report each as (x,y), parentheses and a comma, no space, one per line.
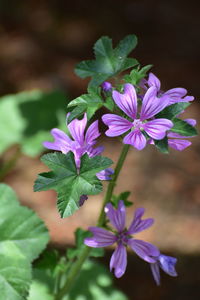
(108,61)
(20,225)
(67,182)
(15,273)
(137,74)
(94,283)
(89,103)
(183,128)
(173,110)
(109,103)
(122,196)
(40,291)
(31,117)
(22,238)
(162,145)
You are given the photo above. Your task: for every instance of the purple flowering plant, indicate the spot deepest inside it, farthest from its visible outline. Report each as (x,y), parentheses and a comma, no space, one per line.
(140,114)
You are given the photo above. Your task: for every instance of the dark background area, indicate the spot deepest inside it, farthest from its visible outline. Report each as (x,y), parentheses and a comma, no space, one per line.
(40,43)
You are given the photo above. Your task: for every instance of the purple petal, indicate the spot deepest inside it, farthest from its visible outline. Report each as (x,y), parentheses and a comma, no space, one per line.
(117,216)
(176,95)
(117,125)
(139,225)
(152,105)
(118,261)
(94,151)
(101,238)
(154,81)
(77,128)
(157,128)
(136,139)
(127,101)
(92,133)
(105,174)
(146,251)
(176,92)
(178,144)
(62,141)
(155,269)
(167,264)
(191,122)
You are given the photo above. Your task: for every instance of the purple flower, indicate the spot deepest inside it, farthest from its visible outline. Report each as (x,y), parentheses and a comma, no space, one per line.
(151,105)
(106,86)
(166,263)
(122,236)
(82,142)
(175,95)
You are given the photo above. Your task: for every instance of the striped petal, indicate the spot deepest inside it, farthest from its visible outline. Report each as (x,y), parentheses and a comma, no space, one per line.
(101,238)
(117,217)
(117,125)
(157,128)
(77,128)
(139,225)
(146,251)
(118,261)
(151,104)
(127,102)
(136,139)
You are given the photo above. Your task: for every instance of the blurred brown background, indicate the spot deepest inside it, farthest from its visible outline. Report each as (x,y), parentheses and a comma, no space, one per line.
(40,43)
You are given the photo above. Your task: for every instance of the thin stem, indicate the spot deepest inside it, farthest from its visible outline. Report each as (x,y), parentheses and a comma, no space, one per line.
(76,267)
(112,183)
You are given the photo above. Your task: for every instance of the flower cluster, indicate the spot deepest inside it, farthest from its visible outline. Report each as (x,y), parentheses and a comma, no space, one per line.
(122,237)
(142,126)
(82,142)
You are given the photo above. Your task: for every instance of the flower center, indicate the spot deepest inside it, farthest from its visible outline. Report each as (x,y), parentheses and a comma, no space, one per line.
(137,124)
(123,237)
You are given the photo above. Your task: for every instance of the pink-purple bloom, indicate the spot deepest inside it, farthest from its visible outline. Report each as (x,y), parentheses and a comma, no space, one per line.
(143,122)
(166,263)
(122,236)
(82,142)
(174,95)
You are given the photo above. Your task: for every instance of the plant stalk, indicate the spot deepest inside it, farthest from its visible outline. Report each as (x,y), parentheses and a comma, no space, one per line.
(76,267)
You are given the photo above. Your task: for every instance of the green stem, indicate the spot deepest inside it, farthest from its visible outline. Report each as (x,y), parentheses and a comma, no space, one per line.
(7,167)
(112,183)
(76,267)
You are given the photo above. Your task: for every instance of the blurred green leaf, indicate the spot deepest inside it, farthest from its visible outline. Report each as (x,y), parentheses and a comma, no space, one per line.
(108,61)
(183,128)
(26,118)
(15,273)
(22,238)
(67,182)
(39,291)
(20,225)
(94,283)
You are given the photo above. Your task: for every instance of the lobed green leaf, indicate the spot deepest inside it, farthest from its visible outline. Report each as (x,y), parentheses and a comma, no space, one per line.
(68,182)
(108,61)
